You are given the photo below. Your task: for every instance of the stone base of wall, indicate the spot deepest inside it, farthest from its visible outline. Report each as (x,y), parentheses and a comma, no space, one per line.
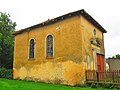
(68,72)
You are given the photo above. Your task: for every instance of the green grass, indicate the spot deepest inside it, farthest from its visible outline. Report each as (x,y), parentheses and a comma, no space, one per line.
(7,84)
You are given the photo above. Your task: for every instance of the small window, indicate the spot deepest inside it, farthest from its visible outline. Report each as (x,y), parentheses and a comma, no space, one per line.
(94,32)
(31,48)
(49,46)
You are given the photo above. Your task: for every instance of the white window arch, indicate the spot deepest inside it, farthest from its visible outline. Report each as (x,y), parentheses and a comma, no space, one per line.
(49,45)
(31,48)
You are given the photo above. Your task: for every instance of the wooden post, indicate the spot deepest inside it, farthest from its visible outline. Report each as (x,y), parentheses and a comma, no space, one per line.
(113,76)
(97,76)
(86,75)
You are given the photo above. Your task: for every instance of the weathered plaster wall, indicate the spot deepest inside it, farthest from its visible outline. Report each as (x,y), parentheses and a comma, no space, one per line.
(66,67)
(67,72)
(71,46)
(87,30)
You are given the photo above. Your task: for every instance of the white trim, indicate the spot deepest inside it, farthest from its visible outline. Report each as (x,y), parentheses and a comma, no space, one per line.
(95,60)
(34,48)
(88,62)
(45,44)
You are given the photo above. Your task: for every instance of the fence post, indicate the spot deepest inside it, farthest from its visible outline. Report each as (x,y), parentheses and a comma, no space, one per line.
(86,75)
(97,76)
(113,76)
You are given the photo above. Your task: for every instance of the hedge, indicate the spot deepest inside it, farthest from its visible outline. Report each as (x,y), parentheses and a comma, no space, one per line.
(6,73)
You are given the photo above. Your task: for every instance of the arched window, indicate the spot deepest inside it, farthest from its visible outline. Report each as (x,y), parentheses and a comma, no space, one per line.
(49,46)
(31,48)
(94,32)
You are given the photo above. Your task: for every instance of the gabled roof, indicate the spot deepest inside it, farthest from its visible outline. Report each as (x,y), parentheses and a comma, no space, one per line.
(60,18)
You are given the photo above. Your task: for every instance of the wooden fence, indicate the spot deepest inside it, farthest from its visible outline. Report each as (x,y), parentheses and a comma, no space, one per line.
(103,76)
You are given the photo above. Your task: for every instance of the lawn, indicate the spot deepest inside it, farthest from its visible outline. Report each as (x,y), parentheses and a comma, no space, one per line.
(6,84)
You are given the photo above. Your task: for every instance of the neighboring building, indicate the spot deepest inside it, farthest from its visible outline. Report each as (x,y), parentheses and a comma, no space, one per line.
(59,50)
(113,63)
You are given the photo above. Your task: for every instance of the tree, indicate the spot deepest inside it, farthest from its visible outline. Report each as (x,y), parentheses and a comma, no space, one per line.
(117,56)
(6,40)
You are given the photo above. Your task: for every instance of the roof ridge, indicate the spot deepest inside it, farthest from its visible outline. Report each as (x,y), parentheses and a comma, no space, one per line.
(54,20)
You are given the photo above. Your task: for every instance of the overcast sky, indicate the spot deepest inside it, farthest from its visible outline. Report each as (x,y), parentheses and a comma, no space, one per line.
(30,12)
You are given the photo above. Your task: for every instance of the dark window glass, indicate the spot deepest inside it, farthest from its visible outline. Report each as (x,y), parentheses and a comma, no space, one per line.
(94,32)
(49,46)
(31,49)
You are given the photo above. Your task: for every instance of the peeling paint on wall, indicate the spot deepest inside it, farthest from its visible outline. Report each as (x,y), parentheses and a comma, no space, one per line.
(71,47)
(67,72)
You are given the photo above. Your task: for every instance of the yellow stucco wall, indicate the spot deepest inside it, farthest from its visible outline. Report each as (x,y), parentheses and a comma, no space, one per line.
(71,45)
(87,30)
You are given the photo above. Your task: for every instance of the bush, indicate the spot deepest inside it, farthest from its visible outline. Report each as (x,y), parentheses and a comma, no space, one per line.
(93,85)
(102,85)
(5,73)
(110,86)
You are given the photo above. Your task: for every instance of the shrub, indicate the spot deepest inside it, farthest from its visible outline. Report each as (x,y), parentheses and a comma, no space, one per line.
(93,85)
(102,85)
(5,73)
(110,86)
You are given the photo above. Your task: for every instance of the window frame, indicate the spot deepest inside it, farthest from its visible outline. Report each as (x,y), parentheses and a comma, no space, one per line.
(49,57)
(29,49)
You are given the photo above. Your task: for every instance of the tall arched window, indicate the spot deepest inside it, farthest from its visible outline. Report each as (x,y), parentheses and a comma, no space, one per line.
(49,46)
(31,48)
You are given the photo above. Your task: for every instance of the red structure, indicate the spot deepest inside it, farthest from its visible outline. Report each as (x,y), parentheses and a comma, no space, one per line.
(100,62)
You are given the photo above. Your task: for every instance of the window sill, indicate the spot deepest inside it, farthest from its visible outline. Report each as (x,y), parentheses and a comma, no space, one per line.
(31,59)
(49,57)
